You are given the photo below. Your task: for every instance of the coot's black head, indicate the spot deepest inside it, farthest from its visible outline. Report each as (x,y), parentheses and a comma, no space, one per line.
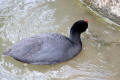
(79,26)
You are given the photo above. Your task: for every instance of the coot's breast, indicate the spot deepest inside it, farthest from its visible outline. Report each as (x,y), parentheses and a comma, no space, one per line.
(46,48)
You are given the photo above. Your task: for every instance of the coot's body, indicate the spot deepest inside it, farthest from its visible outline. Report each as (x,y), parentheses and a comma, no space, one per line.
(49,48)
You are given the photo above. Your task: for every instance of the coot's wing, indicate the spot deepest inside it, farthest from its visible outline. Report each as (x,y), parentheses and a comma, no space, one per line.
(41,49)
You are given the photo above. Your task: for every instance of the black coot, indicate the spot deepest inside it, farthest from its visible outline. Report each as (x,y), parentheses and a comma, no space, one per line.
(49,48)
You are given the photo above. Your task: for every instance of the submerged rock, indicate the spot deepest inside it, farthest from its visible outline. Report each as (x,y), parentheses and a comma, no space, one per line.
(108,8)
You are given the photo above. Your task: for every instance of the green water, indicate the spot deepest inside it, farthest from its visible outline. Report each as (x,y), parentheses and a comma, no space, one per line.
(99,59)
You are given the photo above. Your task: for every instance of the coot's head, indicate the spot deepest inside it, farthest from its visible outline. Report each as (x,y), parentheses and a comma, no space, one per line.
(79,26)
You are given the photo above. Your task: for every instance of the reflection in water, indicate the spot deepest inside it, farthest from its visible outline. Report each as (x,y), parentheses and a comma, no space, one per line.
(83,71)
(99,59)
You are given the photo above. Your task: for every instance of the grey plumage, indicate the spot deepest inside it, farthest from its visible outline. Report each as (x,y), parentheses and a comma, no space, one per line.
(48,48)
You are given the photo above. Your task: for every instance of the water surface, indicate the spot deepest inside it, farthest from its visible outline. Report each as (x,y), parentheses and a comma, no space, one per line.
(99,59)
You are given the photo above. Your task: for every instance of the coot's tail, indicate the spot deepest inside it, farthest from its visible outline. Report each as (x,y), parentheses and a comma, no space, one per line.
(7,52)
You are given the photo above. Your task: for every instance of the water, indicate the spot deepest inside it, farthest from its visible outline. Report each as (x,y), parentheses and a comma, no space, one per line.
(99,59)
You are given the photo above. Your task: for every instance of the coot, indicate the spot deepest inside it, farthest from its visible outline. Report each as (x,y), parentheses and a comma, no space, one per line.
(49,48)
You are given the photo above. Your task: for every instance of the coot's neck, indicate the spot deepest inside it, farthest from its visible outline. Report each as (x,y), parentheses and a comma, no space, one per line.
(75,37)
